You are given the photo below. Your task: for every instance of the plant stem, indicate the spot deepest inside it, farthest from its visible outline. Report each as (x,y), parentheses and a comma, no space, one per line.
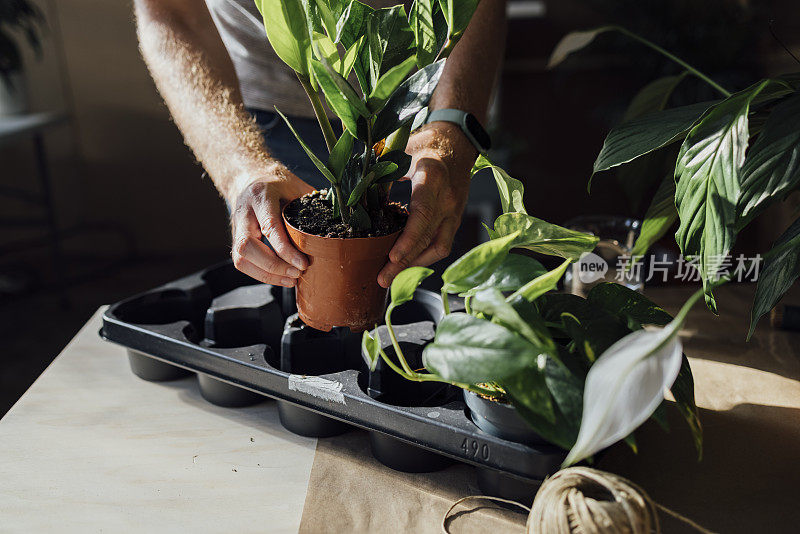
(724,92)
(409,374)
(395,344)
(445,302)
(467,306)
(394,367)
(367,152)
(319,111)
(343,209)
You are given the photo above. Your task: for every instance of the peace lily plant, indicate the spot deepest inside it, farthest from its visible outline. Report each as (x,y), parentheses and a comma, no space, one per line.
(728,160)
(584,373)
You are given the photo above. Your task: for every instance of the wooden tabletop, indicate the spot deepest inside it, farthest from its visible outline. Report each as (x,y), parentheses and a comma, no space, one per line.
(92,448)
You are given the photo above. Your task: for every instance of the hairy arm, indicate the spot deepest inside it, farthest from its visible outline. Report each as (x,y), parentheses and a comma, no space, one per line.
(195,76)
(443,156)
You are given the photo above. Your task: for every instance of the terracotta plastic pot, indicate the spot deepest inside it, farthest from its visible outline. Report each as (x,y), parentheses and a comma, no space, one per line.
(340,286)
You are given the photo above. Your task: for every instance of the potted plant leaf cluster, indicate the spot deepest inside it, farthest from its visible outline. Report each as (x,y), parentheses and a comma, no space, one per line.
(720,163)
(538,366)
(396,58)
(18,19)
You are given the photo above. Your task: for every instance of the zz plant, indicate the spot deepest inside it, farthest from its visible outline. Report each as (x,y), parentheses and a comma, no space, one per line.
(397,59)
(583,372)
(729,159)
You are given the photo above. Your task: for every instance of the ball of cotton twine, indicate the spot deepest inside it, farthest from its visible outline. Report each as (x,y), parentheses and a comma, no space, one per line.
(582,500)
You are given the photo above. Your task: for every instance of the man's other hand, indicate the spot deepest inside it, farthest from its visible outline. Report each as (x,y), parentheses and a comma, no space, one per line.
(440,175)
(256,212)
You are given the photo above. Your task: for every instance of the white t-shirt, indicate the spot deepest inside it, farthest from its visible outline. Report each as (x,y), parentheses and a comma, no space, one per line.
(264,79)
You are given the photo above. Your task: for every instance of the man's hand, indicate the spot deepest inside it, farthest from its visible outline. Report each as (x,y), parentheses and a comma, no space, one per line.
(442,159)
(256,212)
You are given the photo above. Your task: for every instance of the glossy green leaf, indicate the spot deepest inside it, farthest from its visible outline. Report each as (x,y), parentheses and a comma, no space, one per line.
(328,12)
(371,348)
(641,136)
(659,218)
(638,176)
(380,169)
(683,392)
(593,329)
(406,283)
(457,14)
(470,350)
(543,237)
(403,162)
(561,433)
(492,303)
(350,57)
(626,384)
(474,267)
(541,284)
(708,177)
(566,389)
(626,303)
(340,96)
(340,155)
(780,270)
(361,187)
(511,190)
(513,272)
(359,218)
(529,388)
(390,40)
(352,26)
(652,97)
(407,100)
(324,48)
(313,157)
(287,32)
(421,20)
(389,82)
(772,167)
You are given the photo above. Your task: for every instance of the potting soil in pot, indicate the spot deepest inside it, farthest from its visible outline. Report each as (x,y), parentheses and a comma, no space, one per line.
(313,214)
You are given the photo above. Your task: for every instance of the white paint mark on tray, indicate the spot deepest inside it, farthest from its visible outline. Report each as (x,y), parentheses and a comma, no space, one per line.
(315,386)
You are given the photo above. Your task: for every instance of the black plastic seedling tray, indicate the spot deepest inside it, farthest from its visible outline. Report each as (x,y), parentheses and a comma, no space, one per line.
(245,342)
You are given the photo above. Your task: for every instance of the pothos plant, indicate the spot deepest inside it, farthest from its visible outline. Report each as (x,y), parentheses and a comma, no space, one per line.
(583,372)
(729,159)
(397,59)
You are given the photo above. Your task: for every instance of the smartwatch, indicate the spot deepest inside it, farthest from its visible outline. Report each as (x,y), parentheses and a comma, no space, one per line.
(468,123)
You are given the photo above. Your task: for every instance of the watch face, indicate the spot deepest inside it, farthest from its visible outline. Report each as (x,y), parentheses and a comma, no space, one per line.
(474,127)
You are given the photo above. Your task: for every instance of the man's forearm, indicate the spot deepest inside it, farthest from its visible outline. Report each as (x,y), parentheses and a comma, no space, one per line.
(467,82)
(471,69)
(195,76)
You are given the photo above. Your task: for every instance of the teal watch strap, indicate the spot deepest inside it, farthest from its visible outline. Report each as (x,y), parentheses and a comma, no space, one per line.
(468,124)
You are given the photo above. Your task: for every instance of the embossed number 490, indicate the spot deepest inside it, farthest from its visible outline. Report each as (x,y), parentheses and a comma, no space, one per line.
(472,448)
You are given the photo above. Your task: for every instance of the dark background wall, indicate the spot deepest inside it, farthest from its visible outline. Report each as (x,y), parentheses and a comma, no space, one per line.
(123,177)
(120,159)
